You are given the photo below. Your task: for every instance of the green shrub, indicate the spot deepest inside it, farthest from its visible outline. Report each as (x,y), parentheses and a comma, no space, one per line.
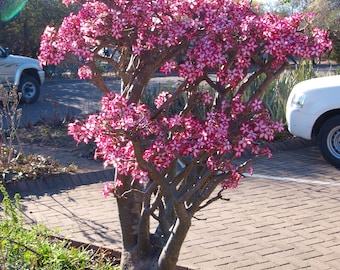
(275,98)
(335,53)
(22,248)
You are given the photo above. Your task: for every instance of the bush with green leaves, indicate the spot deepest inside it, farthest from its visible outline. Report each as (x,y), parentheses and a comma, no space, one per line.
(276,97)
(34,248)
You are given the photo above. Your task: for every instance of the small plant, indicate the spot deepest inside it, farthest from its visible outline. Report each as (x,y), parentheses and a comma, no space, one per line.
(10,116)
(35,248)
(14,165)
(55,119)
(276,97)
(33,167)
(337,72)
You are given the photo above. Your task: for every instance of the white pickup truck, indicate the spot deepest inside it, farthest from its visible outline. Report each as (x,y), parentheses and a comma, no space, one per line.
(22,72)
(313,111)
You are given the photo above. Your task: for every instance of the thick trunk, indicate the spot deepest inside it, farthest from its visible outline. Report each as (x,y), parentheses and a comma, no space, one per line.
(170,253)
(157,258)
(129,214)
(130,260)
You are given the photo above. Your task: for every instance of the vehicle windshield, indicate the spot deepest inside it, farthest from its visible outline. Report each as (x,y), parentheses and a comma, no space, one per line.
(2,52)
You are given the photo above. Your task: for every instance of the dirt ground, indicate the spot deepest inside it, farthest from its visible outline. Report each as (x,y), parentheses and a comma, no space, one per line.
(54,142)
(66,157)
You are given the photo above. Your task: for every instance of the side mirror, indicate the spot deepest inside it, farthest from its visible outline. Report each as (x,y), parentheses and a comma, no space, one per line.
(7,51)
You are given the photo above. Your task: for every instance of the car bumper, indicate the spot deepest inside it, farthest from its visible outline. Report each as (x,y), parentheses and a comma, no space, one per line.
(299,123)
(42,76)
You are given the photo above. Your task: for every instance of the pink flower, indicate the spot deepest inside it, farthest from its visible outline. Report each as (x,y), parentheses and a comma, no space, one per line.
(207,98)
(140,176)
(232,182)
(108,188)
(238,150)
(256,105)
(245,128)
(168,67)
(84,72)
(237,105)
(250,169)
(278,126)
(161,99)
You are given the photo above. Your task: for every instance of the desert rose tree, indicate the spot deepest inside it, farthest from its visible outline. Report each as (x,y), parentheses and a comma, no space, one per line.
(171,162)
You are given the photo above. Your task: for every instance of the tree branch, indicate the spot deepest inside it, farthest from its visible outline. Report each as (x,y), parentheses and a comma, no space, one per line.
(98,80)
(219,196)
(271,76)
(197,185)
(153,173)
(144,221)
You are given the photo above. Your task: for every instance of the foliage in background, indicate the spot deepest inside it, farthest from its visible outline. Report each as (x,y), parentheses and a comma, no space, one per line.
(327,17)
(22,34)
(276,97)
(34,248)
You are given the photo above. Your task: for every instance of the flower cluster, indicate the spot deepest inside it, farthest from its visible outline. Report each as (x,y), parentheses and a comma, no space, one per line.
(224,37)
(84,72)
(215,140)
(110,187)
(168,67)
(221,34)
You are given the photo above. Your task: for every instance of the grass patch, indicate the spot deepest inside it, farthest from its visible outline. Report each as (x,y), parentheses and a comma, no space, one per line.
(35,248)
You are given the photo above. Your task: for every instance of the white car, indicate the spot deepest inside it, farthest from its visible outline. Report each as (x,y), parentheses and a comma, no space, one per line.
(313,111)
(22,72)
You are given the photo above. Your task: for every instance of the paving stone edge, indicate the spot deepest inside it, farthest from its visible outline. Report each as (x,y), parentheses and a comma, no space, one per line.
(59,182)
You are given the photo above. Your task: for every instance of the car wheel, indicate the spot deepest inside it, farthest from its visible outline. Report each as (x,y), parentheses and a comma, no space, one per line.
(329,140)
(29,88)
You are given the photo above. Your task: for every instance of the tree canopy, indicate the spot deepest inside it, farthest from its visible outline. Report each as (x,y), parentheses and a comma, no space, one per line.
(22,33)
(327,16)
(169,161)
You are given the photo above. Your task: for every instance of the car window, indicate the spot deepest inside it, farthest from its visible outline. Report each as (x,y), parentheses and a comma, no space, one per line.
(2,52)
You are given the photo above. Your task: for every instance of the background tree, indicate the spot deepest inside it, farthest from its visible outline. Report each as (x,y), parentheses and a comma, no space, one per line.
(287,7)
(168,160)
(22,34)
(328,17)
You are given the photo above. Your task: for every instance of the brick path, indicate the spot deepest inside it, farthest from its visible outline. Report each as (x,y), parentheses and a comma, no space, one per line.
(287,216)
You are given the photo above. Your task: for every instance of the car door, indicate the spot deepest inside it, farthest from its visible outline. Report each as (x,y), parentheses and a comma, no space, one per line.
(2,63)
(7,68)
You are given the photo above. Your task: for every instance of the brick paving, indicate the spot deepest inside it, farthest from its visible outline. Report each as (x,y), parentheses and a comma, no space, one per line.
(286,216)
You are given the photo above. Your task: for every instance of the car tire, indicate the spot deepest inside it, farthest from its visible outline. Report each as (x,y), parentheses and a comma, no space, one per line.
(29,88)
(329,140)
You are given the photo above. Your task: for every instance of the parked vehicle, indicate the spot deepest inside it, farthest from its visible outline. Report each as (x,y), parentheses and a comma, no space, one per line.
(23,72)
(313,111)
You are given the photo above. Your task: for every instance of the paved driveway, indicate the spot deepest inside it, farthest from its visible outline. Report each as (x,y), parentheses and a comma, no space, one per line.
(287,216)
(73,97)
